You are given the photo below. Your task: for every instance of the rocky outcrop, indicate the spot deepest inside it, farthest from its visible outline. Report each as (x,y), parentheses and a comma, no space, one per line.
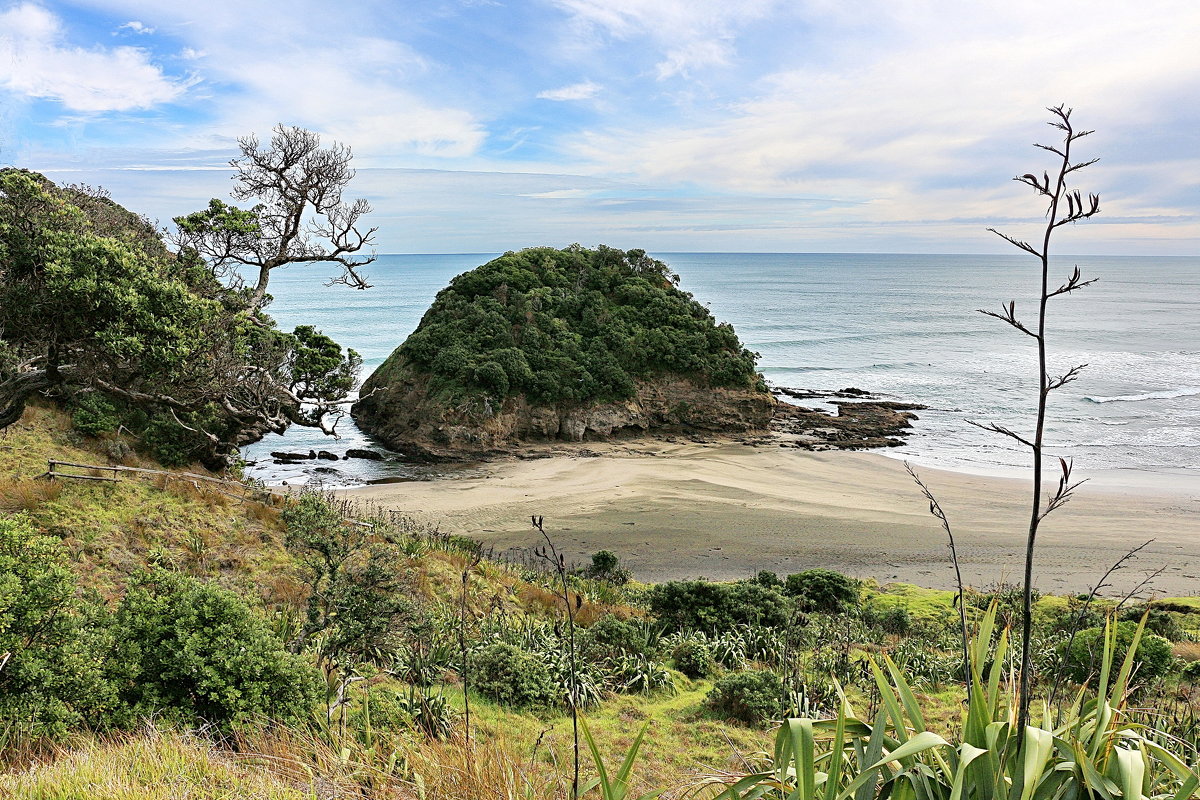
(858,425)
(407,418)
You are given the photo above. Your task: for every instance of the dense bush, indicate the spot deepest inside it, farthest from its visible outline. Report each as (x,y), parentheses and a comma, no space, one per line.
(1164,623)
(356,592)
(693,659)
(512,676)
(51,669)
(198,652)
(607,567)
(1153,657)
(610,637)
(822,590)
(751,697)
(573,325)
(707,606)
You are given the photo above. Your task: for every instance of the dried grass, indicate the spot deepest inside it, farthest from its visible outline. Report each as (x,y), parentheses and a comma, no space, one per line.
(24,494)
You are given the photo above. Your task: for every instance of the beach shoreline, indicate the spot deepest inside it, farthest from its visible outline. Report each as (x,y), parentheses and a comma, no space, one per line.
(724,510)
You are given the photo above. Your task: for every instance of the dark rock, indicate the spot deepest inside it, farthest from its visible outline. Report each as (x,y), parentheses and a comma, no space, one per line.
(325,470)
(285,457)
(326,455)
(370,455)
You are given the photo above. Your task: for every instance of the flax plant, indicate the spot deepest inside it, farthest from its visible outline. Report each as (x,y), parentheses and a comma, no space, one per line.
(1094,751)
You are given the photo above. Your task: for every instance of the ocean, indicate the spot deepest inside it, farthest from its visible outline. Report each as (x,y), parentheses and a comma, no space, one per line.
(903,326)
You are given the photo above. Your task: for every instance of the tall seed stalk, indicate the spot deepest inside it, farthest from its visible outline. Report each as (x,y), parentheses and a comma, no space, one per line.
(550,554)
(462,645)
(1054,189)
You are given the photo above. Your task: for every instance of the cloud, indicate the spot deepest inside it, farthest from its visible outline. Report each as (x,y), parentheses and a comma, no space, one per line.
(927,114)
(133,26)
(691,34)
(35,61)
(576,91)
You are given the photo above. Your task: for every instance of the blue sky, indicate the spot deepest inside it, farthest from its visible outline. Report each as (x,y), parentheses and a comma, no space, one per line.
(731,125)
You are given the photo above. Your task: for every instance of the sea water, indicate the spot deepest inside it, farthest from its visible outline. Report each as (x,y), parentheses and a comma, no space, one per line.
(903,326)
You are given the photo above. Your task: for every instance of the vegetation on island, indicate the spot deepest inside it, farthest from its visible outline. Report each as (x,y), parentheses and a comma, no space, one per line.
(573,326)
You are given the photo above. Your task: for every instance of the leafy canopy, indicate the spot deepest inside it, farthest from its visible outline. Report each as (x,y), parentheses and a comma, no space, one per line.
(573,325)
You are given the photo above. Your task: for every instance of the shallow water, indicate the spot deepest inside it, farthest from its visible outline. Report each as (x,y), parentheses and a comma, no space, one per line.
(903,325)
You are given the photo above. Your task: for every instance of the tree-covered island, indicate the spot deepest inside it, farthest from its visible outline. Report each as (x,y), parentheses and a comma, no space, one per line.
(570,344)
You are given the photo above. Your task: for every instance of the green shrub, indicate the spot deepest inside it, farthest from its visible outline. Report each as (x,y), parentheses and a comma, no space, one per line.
(715,607)
(693,659)
(607,567)
(750,697)
(1153,658)
(356,594)
(512,676)
(895,620)
(822,590)
(190,650)
(1191,672)
(1158,621)
(769,579)
(610,637)
(94,414)
(53,678)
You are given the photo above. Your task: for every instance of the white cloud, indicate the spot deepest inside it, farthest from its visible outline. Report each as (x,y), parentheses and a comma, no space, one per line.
(928,118)
(584,90)
(133,26)
(692,34)
(35,61)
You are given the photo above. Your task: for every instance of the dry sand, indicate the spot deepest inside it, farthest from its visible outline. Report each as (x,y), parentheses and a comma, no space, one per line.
(726,510)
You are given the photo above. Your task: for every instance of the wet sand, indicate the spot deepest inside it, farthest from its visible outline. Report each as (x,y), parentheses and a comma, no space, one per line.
(726,510)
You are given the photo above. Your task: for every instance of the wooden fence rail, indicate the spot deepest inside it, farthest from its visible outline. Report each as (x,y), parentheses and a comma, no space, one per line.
(52,473)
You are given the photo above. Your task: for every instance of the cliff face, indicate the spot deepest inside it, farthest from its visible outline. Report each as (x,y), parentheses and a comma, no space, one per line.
(402,413)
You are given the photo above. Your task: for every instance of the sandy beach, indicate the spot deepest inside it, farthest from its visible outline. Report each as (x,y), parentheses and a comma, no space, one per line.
(726,510)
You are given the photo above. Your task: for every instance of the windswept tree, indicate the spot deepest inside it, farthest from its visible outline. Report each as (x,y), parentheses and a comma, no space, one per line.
(301,216)
(97,311)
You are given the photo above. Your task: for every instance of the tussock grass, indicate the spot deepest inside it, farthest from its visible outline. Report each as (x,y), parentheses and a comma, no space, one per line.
(153,765)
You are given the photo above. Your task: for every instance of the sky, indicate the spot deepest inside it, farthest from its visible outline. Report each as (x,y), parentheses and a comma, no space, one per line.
(670,125)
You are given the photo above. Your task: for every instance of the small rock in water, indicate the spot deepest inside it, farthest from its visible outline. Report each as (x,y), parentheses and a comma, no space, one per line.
(367,454)
(326,455)
(282,456)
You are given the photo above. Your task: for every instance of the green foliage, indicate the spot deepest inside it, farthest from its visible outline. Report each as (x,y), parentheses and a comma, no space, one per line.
(1153,657)
(356,596)
(822,590)
(1158,621)
(512,676)
(751,697)
(192,650)
(51,680)
(567,326)
(94,414)
(610,637)
(607,567)
(767,578)
(1191,672)
(895,620)
(1092,751)
(615,787)
(706,606)
(96,308)
(693,659)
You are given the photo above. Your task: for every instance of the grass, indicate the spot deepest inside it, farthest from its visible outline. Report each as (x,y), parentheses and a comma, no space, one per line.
(153,765)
